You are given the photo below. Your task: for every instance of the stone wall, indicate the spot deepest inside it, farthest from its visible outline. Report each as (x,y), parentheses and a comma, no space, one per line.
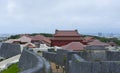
(85,61)
(93,55)
(100,55)
(60,57)
(54,57)
(113,55)
(32,63)
(95,48)
(50,56)
(8,50)
(79,65)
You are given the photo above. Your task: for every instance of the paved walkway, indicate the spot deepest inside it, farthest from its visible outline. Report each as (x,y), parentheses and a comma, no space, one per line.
(54,70)
(8,61)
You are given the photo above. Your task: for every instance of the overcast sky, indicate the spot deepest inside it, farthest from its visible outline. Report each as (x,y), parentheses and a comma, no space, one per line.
(34,16)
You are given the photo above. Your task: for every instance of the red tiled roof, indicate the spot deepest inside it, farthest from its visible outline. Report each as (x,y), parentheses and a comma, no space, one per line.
(89,39)
(98,43)
(66,38)
(66,33)
(30,45)
(21,39)
(112,43)
(40,38)
(25,39)
(74,46)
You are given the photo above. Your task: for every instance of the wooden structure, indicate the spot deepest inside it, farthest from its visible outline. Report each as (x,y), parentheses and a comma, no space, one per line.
(63,37)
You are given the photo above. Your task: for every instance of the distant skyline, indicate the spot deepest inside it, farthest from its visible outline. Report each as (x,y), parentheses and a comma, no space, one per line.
(45,16)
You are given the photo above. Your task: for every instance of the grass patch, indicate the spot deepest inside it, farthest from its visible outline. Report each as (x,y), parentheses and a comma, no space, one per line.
(12,69)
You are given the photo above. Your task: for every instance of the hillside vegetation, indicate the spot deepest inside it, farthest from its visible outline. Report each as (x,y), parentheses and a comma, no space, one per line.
(12,69)
(44,34)
(103,39)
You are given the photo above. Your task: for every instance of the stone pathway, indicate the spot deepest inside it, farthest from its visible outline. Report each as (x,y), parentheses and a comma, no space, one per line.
(60,70)
(8,61)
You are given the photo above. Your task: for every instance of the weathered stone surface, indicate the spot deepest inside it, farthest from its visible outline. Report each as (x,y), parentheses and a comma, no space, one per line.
(95,47)
(51,56)
(61,57)
(93,55)
(96,67)
(8,50)
(113,55)
(32,63)
(86,61)
(77,66)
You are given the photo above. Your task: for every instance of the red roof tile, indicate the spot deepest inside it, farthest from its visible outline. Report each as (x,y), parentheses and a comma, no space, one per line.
(98,43)
(74,46)
(112,43)
(66,38)
(25,39)
(66,33)
(89,39)
(40,38)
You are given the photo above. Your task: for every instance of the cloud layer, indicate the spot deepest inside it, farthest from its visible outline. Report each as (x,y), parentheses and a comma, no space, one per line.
(88,16)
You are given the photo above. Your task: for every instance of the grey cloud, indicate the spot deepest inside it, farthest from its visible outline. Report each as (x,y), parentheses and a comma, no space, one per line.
(41,15)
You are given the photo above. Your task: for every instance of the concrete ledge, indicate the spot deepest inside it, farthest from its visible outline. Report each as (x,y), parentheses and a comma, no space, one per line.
(4,64)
